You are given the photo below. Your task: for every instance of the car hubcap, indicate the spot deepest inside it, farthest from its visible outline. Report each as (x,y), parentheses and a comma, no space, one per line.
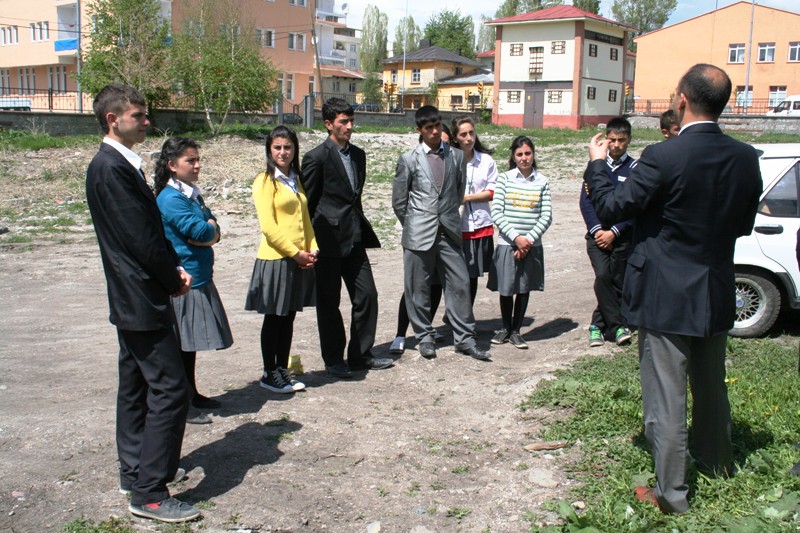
(750,306)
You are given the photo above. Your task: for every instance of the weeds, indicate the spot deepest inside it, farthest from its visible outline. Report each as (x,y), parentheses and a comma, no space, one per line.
(112,525)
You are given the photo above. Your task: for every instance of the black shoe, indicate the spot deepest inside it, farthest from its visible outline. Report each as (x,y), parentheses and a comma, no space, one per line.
(197,417)
(501,336)
(339,370)
(427,350)
(372,363)
(517,341)
(204,402)
(169,510)
(474,352)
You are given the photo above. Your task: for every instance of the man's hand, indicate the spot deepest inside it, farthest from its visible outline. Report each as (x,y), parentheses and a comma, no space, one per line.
(186,279)
(605,238)
(598,147)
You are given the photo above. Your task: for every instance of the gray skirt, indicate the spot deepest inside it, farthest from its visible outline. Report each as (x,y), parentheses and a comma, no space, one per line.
(509,276)
(280,286)
(201,319)
(478,255)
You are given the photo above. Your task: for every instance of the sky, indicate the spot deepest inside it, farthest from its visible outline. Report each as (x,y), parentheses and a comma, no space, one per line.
(423,10)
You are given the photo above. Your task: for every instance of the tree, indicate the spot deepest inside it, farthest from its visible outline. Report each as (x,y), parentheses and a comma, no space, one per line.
(509,8)
(372,89)
(592,6)
(408,34)
(486,36)
(219,65)
(129,45)
(644,15)
(373,39)
(450,30)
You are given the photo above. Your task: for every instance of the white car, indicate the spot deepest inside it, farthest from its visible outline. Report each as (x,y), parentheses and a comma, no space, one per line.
(767,276)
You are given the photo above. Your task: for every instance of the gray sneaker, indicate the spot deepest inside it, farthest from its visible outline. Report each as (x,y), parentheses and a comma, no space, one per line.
(169,510)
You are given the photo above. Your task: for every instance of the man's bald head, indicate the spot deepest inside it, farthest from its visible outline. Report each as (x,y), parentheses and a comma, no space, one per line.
(707,89)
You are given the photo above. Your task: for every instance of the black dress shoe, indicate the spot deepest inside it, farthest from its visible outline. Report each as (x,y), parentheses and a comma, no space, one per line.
(339,370)
(474,352)
(204,402)
(196,417)
(372,363)
(427,350)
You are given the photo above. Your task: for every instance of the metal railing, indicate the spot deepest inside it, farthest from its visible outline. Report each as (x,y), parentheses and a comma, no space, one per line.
(43,100)
(736,106)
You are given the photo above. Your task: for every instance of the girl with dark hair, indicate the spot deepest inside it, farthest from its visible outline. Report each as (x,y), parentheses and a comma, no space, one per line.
(283,277)
(477,230)
(192,230)
(522,212)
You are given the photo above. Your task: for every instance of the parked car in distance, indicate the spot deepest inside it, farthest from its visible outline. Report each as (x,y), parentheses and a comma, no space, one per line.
(789,107)
(767,275)
(292,118)
(370,108)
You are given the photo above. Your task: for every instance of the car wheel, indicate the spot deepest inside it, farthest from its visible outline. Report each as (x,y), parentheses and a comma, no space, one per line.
(758,302)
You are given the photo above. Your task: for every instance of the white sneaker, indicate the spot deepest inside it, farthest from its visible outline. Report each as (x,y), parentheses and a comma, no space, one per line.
(398,345)
(296,385)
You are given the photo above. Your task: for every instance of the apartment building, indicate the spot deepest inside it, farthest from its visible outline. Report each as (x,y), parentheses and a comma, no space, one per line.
(558,67)
(722,38)
(39,41)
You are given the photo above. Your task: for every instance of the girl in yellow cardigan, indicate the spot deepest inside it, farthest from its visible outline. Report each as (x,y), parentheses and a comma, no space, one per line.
(283,275)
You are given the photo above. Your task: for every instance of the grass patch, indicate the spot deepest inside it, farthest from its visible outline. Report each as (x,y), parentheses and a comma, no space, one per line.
(112,525)
(28,140)
(599,402)
(15,238)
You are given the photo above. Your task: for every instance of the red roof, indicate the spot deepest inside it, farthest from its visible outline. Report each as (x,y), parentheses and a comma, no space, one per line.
(490,53)
(555,13)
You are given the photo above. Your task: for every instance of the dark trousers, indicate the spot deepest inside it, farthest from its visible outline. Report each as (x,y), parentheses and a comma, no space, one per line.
(609,274)
(152,402)
(354,269)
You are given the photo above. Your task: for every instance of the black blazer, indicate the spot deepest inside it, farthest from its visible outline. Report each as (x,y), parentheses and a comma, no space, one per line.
(139,262)
(334,206)
(691,196)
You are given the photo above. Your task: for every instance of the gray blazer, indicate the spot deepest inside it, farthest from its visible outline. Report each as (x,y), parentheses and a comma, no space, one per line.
(421,208)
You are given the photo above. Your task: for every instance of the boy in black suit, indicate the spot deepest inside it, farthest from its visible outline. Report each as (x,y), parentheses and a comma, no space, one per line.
(142,271)
(333,176)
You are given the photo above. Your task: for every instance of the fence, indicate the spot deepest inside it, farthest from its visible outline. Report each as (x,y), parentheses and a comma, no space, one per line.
(755,106)
(45,100)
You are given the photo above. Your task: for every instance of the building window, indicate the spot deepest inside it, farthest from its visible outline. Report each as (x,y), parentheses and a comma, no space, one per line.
(5,80)
(9,35)
(40,31)
(301,3)
(794,52)
(353,48)
(513,97)
(558,47)
(614,54)
(297,41)
(27,80)
(516,49)
(736,53)
(288,86)
(265,38)
(459,70)
(592,50)
(456,100)
(590,92)
(57,78)
(554,97)
(777,94)
(474,100)
(352,62)
(394,75)
(352,87)
(536,65)
(337,87)
(416,75)
(232,32)
(612,95)
(741,97)
(766,52)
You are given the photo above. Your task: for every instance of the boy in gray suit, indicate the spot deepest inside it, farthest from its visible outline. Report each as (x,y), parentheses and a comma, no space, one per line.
(427,193)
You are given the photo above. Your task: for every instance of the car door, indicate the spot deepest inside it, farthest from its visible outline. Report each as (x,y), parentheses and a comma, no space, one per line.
(778,215)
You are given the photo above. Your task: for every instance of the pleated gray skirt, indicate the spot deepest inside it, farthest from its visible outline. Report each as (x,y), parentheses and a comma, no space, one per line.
(280,286)
(478,255)
(202,322)
(509,276)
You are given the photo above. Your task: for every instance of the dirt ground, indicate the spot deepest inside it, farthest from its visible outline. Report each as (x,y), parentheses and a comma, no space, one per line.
(425,446)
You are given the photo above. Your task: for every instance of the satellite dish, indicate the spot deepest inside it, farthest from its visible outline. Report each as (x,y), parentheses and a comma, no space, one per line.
(345,8)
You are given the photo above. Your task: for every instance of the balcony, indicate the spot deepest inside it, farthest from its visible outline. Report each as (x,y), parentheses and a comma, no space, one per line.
(66,46)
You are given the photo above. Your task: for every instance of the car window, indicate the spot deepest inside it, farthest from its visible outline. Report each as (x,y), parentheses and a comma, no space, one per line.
(781,200)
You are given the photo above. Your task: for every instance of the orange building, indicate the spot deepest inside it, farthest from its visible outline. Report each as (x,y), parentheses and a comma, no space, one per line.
(722,38)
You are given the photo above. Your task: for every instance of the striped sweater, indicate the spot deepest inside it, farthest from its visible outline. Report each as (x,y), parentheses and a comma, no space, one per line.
(521,206)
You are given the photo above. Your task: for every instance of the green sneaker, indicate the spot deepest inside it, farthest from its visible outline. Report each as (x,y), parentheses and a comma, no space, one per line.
(623,336)
(595,336)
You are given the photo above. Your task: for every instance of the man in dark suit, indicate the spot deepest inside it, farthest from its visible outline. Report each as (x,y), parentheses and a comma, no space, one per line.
(142,271)
(333,177)
(427,193)
(690,197)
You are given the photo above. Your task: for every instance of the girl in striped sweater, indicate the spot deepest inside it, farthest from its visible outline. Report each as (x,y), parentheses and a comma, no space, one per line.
(522,211)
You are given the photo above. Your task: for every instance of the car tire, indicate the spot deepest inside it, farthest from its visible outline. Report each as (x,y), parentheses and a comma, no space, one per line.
(758,302)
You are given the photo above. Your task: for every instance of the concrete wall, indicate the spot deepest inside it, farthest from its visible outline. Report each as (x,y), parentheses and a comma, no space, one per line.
(733,122)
